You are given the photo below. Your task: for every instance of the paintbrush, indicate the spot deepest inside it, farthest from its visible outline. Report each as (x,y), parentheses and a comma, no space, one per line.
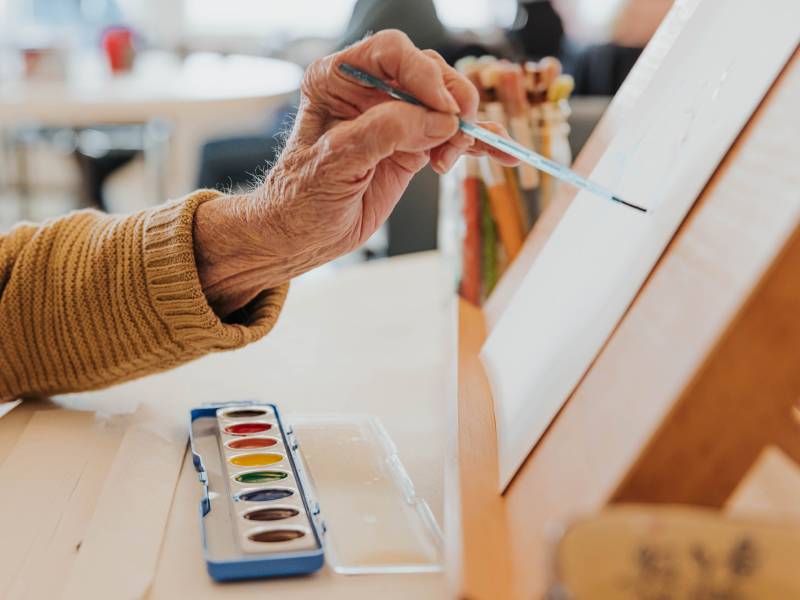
(512,92)
(496,141)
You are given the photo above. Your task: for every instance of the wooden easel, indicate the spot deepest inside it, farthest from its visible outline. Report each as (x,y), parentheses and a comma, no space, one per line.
(701,375)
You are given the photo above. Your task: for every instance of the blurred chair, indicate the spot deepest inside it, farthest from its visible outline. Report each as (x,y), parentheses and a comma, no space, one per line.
(99,151)
(239,162)
(235,163)
(598,70)
(414,222)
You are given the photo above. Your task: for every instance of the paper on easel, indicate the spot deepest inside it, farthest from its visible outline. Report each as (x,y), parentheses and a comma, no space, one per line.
(597,259)
(119,553)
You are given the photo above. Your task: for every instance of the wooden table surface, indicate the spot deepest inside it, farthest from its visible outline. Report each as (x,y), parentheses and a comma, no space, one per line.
(369,339)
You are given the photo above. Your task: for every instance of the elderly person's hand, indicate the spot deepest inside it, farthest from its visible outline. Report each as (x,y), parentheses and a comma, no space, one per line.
(348,160)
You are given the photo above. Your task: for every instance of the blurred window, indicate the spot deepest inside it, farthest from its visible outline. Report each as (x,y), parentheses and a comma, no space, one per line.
(293,18)
(323,18)
(584,20)
(475,14)
(588,21)
(42,23)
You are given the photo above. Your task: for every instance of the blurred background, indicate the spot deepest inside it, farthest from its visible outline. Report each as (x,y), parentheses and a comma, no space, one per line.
(122,104)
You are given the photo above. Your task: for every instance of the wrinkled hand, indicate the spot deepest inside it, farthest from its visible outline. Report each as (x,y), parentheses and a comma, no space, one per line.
(348,160)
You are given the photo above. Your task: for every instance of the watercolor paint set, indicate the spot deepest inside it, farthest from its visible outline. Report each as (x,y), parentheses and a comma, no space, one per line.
(283,498)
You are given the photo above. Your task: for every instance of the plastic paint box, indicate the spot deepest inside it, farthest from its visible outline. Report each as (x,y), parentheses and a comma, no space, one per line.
(283,498)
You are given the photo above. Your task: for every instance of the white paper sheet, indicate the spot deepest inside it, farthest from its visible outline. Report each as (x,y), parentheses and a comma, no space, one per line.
(594,264)
(6,407)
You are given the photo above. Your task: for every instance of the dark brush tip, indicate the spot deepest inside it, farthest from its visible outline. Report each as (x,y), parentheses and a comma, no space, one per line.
(621,201)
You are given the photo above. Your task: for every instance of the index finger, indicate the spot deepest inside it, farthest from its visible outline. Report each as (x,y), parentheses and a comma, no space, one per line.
(390,55)
(461,88)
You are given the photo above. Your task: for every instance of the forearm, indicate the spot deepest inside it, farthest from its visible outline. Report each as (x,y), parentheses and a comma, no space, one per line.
(91,300)
(248,243)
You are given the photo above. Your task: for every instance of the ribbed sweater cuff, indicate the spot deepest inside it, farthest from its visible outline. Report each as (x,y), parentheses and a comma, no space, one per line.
(174,287)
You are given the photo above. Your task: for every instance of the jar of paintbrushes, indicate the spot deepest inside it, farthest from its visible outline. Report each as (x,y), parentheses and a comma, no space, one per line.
(494,207)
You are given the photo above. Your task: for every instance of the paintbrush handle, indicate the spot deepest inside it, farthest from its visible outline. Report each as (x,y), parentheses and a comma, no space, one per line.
(532,158)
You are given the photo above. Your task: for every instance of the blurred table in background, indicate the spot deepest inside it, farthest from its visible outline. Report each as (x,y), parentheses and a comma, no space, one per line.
(200,97)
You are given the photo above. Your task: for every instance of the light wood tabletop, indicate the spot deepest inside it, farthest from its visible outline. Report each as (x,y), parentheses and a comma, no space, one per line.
(369,339)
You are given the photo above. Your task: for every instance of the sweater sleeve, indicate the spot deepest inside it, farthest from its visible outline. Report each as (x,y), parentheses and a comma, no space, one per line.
(91,300)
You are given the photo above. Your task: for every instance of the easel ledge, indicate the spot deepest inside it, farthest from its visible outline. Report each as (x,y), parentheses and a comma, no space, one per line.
(696,381)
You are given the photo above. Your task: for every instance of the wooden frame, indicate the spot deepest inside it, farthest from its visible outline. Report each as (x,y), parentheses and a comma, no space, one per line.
(698,378)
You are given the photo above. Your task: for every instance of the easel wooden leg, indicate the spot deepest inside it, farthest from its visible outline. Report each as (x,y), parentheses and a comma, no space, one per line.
(741,401)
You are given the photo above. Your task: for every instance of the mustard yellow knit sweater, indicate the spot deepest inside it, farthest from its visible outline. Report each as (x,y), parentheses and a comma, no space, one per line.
(90,300)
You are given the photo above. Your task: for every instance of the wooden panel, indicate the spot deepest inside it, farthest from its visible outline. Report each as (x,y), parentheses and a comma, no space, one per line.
(770,491)
(739,402)
(477,544)
(642,552)
(120,548)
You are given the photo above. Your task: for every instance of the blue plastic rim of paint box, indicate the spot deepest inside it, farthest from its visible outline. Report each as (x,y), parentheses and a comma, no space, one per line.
(256,515)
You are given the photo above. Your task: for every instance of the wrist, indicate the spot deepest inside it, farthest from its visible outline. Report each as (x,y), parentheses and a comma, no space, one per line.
(234,251)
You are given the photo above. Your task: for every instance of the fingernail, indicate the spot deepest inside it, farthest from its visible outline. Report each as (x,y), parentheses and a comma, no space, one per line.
(440,125)
(450,101)
(447,158)
(470,139)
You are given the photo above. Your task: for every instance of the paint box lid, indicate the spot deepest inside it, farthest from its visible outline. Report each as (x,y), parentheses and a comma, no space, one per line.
(375,521)
(359,502)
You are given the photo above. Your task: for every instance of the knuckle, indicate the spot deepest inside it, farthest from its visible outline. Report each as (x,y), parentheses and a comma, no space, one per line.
(392,37)
(472,95)
(314,73)
(434,55)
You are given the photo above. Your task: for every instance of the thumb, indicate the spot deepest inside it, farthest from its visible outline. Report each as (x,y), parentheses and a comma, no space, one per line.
(387,128)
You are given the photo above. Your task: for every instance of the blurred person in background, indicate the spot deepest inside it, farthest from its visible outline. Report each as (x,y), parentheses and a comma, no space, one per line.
(416,18)
(90,300)
(546,28)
